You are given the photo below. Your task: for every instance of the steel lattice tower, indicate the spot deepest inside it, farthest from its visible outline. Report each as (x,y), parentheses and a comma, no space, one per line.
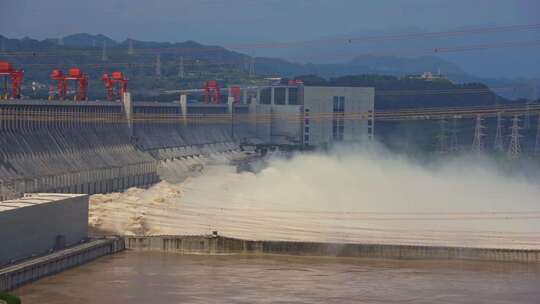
(252,66)
(3,46)
(131,50)
(478,143)
(181,71)
(104,56)
(528,116)
(158,65)
(499,143)
(514,148)
(537,143)
(442,138)
(454,138)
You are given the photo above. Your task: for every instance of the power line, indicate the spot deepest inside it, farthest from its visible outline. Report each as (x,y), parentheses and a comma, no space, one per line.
(349,40)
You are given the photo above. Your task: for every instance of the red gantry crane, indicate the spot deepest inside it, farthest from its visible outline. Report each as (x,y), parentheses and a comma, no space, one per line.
(212,93)
(75,74)
(111,80)
(16,77)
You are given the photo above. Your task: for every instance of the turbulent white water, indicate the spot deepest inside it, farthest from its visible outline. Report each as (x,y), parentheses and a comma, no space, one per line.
(347,196)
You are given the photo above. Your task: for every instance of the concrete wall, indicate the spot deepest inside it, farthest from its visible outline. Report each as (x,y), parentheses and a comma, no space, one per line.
(319,100)
(220,245)
(17,275)
(310,122)
(286,125)
(33,228)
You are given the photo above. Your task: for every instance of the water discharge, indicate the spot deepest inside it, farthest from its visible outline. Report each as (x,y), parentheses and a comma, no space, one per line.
(349,195)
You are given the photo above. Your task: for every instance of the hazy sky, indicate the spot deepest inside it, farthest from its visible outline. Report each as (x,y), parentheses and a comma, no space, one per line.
(222,21)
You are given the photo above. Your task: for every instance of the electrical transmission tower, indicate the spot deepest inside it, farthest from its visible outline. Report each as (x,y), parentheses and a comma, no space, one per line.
(454,138)
(131,50)
(442,138)
(535,91)
(537,143)
(252,66)
(104,56)
(181,71)
(499,143)
(528,116)
(514,148)
(478,143)
(3,46)
(158,65)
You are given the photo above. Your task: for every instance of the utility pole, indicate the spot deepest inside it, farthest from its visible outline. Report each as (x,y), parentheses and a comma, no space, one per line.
(158,65)
(181,71)
(252,66)
(478,145)
(514,149)
(442,146)
(104,56)
(499,144)
(131,51)
(454,138)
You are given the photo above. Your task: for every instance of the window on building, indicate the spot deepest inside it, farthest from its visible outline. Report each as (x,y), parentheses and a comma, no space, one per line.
(266,96)
(293,96)
(279,96)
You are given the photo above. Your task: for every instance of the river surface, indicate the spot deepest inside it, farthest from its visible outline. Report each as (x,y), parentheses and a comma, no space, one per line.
(153,277)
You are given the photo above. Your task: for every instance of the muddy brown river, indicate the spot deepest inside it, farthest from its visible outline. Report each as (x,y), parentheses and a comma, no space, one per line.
(153,277)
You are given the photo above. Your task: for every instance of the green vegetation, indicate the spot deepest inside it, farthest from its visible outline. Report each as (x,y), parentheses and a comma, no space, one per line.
(9,298)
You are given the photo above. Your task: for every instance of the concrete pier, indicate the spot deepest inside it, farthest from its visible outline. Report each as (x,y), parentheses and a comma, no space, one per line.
(16,275)
(225,245)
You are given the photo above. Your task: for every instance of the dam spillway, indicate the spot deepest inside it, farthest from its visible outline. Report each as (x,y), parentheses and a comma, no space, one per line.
(97,147)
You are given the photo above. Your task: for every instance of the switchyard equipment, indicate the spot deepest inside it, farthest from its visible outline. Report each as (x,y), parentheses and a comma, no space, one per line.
(212,92)
(75,74)
(16,77)
(111,80)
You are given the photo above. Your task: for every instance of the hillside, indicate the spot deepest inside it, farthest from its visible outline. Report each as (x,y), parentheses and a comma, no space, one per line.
(200,62)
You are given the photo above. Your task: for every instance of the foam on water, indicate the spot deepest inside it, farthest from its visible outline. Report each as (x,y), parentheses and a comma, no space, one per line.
(361,196)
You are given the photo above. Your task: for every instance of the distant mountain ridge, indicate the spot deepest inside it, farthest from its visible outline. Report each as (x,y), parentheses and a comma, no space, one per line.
(204,62)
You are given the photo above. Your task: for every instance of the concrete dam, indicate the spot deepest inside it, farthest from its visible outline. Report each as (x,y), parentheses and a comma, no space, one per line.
(99,147)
